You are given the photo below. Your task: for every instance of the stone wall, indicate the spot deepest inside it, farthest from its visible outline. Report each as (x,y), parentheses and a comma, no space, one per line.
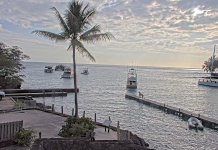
(80,144)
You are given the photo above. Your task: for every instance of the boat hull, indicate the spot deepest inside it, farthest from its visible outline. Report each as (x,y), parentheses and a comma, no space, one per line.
(67,76)
(195,123)
(49,70)
(208,83)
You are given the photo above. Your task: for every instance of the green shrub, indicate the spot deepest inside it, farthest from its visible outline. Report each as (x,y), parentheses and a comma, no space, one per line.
(76,127)
(25,137)
(19,105)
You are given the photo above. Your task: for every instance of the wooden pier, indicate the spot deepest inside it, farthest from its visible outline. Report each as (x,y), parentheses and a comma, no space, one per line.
(184,114)
(39,92)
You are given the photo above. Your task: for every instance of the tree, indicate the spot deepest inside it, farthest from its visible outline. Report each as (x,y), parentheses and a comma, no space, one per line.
(76,28)
(208,64)
(10,66)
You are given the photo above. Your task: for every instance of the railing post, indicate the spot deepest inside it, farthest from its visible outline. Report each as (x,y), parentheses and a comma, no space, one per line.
(84,113)
(72,112)
(109,125)
(62,110)
(52,108)
(40,135)
(44,106)
(118,130)
(128,135)
(95,117)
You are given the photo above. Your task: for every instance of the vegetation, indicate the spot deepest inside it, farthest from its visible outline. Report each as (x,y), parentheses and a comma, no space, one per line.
(19,105)
(25,137)
(10,66)
(76,28)
(76,127)
(208,64)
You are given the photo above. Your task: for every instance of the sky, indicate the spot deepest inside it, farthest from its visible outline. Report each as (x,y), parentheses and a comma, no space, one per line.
(165,33)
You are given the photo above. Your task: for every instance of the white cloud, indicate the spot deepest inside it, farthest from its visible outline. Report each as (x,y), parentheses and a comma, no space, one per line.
(184,26)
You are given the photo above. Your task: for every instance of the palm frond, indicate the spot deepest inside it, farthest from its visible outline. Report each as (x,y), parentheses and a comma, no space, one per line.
(93,30)
(61,20)
(73,22)
(97,37)
(49,35)
(81,49)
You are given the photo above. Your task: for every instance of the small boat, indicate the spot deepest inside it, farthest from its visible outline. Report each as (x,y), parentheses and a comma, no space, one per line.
(68,73)
(85,71)
(59,68)
(195,123)
(131,79)
(48,69)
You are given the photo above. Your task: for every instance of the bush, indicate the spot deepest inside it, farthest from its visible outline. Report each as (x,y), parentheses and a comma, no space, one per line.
(19,105)
(25,137)
(76,127)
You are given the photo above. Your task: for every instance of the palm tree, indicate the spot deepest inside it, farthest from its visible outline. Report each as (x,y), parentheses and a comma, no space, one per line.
(208,64)
(76,27)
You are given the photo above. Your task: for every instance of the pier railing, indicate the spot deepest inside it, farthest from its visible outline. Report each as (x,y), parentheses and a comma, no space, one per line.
(8,130)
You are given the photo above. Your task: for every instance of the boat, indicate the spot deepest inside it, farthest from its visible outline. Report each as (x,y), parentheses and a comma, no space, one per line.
(195,123)
(209,82)
(68,73)
(48,69)
(85,71)
(131,79)
(59,68)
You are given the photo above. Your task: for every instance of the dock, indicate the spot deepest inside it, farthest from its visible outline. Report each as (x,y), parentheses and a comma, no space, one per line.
(184,114)
(39,92)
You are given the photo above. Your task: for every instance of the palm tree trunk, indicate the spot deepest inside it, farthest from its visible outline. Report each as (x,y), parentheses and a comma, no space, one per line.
(75,81)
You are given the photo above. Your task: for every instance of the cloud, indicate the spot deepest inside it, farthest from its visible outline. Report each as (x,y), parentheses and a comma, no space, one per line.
(187,26)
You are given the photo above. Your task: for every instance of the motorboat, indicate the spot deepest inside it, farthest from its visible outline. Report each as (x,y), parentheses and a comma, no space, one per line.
(68,73)
(59,68)
(210,82)
(48,69)
(85,71)
(195,123)
(131,79)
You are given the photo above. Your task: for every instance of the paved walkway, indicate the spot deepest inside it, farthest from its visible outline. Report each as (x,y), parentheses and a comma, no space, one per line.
(6,103)
(49,124)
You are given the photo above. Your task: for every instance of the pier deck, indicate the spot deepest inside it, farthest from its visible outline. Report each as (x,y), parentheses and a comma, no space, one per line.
(39,92)
(206,121)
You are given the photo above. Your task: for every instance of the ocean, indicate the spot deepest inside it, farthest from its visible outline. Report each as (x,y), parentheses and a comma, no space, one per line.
(103,92)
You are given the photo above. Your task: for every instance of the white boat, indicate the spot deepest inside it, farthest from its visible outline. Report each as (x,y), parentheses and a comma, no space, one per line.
(48,69)
(209,82)
(68,73)
(131,79)
(85,71)
(195,123)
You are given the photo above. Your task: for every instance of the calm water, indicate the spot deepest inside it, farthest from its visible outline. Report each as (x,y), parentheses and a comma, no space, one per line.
(103,92)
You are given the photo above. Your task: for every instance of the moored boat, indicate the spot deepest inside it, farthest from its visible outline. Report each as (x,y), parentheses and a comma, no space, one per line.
(131,79)
(85,71)
(195,123)
(68,73)
(48,69)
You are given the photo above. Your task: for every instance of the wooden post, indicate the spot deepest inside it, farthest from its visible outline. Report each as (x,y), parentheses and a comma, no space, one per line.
(128,135)
(40,135)
(84,113)
(52,108)
(95,117)
(118,130)
(62,110)
(44,106)
(72,111)
(109,125)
